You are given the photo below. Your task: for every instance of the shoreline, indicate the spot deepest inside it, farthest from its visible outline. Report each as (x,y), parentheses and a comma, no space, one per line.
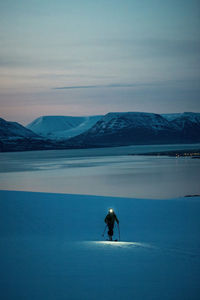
(193,153)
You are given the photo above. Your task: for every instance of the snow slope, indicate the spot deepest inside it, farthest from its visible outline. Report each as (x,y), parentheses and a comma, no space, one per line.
(52,248)
(62,127)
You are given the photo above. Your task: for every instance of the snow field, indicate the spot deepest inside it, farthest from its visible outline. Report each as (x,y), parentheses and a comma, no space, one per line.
(51,248)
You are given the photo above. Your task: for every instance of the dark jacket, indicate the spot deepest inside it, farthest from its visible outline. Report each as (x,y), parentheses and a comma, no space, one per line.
(110,219)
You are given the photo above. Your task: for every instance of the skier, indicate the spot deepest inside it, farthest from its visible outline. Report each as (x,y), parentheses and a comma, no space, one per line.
(110,221)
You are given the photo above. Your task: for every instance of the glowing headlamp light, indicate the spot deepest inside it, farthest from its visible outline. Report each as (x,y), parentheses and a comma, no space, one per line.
(110,210)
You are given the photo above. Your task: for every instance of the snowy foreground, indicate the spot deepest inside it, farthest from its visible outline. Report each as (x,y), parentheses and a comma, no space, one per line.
(52,248)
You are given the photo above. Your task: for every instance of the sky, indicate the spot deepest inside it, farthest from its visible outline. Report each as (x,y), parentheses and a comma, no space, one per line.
(86,57)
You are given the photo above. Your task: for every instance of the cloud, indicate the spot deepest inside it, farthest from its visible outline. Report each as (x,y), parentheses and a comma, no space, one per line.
(194,83)
(113,85)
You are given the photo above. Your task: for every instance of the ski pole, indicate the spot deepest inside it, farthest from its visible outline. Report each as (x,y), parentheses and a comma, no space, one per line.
(104,230)
(118,231)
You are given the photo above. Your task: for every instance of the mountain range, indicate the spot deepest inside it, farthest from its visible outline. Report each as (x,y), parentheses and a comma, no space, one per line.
(112,129)
(133,128)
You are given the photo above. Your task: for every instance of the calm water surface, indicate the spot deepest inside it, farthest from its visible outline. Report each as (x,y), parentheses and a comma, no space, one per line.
(100,172)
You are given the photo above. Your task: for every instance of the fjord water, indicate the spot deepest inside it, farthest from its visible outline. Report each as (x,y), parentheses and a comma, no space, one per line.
(110,171)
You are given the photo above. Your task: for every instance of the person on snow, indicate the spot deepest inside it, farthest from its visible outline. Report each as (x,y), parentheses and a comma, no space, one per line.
(110,221)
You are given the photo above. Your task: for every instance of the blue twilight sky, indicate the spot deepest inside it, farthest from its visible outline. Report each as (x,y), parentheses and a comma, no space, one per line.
(83,57)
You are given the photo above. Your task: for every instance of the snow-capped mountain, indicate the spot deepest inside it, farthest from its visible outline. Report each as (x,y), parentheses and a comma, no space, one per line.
(13,130)
(113,122)
(188,120)
(130,128)
(113,129)
(62,127)
(187,123)
(183,117)
(15,137)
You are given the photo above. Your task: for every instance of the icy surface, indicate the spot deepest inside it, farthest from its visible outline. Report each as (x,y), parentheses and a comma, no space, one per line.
(52,248)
